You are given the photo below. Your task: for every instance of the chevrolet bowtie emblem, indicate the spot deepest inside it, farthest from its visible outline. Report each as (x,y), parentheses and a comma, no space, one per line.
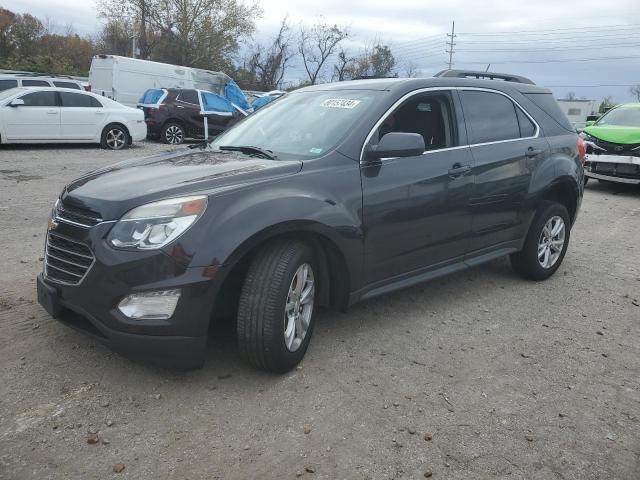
(52,224)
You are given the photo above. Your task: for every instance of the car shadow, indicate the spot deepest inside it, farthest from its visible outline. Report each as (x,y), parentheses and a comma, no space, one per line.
(613,188)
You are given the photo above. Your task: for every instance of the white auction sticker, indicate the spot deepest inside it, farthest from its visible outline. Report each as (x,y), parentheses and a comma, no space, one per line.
(339,103)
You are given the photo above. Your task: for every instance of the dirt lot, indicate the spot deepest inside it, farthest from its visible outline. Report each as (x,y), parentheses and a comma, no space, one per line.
(512,379)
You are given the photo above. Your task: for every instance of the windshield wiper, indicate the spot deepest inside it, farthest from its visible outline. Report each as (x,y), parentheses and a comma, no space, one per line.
(249,150)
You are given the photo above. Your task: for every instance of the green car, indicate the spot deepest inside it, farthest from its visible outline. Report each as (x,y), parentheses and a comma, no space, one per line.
(613,145)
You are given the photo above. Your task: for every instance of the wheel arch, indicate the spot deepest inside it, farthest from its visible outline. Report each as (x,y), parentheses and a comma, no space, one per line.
(116,123)
(566,192)
(333,269)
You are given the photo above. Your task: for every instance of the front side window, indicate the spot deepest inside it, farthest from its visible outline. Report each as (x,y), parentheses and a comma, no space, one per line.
(40,99)
(302,124)
(35,83)
(430,115)
(490,117)
(67,85)
(76,100)
(7,84)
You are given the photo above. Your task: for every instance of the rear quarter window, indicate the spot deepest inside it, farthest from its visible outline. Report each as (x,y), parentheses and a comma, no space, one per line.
(67,85)
(548,104)
(35,83)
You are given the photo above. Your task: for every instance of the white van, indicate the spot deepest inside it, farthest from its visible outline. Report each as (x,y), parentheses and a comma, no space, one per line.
(125,79)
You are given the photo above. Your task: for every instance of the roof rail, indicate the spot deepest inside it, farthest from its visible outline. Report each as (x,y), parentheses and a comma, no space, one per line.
(507,77)
(372,77)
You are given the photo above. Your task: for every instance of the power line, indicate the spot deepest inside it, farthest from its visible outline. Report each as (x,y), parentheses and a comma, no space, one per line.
(567,29)
(592,86)
(545,49)
(562,60)
(548,39)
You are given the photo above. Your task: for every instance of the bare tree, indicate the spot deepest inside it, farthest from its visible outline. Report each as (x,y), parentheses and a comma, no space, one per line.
(571,95)
(410,69)
(341,66)
(635,91)
(269,63)
(317,44)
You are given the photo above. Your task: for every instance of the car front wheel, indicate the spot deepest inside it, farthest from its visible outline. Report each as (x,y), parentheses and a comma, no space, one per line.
(546,243)
(114,137)
(275,313)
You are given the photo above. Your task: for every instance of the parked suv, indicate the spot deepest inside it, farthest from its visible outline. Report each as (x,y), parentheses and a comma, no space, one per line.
(14,80)
(176,114)
(335,193)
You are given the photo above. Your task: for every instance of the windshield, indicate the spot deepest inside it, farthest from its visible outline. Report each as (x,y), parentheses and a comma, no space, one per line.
(8,93)
(304,124)
(623,117)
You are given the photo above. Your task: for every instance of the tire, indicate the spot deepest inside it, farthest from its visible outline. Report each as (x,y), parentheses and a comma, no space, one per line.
(586,180)
(527,263)
(115,137)
(172,133)
(264,340)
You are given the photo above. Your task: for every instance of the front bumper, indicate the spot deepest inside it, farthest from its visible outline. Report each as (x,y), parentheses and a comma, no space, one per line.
(91,305)
(613,168)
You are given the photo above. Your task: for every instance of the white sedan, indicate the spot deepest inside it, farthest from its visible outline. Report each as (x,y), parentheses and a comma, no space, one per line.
(64,115)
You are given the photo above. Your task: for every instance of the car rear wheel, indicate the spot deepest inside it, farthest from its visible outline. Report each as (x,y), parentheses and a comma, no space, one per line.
(275,313)
(172,133)
(115,137)
(546,243)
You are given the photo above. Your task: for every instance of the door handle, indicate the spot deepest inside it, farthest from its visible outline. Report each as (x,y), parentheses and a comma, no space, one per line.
(52,112)
(99,113)
(457,170)
(179,106)
(532,152)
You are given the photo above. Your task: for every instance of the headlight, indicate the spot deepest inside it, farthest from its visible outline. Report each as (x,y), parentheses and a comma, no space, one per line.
(153,225)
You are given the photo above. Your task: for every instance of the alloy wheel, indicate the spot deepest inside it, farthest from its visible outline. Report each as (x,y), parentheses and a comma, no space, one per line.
(116,139)
(551,242)
(174,135)
(299,307)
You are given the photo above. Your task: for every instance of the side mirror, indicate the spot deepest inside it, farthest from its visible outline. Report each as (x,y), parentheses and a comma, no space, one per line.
(16,102)
(589,123)
(397,144)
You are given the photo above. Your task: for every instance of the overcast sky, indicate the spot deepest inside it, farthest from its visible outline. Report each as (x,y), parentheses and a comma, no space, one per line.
(606,38)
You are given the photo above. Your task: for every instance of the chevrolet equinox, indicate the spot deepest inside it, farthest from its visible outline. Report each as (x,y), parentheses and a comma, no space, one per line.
(330,195)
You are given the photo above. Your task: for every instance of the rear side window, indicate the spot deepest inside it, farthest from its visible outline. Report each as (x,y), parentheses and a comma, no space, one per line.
(35,83)
(78,100)
(548,104)
(527,127)
(7,84)
(490,117)
(40,99)
(189,96)
(67,85)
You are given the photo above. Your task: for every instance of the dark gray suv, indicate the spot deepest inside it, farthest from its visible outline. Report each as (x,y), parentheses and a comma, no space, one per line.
(333,194)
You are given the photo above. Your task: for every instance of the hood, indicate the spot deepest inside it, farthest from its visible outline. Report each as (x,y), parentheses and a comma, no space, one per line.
(615,134)
(114,190)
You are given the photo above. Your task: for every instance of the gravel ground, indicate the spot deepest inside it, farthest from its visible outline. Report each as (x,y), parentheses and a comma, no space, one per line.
(479,375)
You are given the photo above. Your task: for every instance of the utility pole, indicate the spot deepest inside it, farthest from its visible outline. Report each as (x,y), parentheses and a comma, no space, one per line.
(451,36)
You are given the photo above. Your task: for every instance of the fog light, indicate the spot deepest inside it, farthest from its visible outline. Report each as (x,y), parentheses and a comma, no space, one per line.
(158,305)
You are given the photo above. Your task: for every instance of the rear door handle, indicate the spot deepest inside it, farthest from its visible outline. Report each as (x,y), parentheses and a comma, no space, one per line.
(533,152)
(52,112)
(458,170)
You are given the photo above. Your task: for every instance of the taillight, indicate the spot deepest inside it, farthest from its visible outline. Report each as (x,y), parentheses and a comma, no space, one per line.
(582,150)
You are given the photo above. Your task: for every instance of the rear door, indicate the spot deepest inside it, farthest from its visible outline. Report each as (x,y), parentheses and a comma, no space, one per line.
(81,116)
(506,145)
(187,108)
(37,119)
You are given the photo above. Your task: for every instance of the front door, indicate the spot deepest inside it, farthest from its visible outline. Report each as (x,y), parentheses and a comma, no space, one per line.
(37,119)
(506,147)
(416,209)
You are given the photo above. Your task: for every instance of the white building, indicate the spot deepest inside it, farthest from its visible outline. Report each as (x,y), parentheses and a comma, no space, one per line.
(578,110)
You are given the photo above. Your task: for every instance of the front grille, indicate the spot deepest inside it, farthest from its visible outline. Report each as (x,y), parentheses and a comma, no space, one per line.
(77,216)
(66,261)
(617,148)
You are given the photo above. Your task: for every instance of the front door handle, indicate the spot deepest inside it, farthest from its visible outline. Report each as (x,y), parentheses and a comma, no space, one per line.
(533,152)
(458,170)
(52,112)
